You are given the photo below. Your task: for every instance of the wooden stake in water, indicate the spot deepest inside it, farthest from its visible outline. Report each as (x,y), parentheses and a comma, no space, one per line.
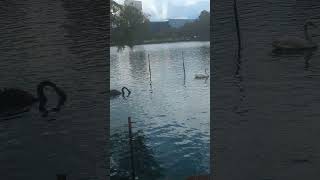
(133,176)
(149,68)
(235,8)
(184,69)
(150,74)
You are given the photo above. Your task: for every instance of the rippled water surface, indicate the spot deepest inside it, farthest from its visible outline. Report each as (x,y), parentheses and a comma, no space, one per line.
(172,112)
(62,42)
(266,117)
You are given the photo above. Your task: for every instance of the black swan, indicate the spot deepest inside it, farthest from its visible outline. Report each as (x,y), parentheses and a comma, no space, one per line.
(13,101)
(114,93)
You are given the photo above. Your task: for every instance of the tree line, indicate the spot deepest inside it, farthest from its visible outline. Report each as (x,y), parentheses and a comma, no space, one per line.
(129,26)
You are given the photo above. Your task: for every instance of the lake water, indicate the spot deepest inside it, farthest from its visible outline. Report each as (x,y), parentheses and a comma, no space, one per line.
(172,113)
(268,117)
(63,42)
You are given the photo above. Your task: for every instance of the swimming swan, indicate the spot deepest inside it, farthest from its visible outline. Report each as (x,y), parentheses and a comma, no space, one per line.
(14,100)
(202,76)
(296,43)
(114,93)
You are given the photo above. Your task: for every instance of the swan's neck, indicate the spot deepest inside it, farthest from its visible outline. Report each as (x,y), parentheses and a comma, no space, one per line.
(125,88)
(43,99)
(306,33)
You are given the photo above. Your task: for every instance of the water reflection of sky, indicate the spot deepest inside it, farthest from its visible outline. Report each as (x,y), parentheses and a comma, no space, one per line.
(174,117)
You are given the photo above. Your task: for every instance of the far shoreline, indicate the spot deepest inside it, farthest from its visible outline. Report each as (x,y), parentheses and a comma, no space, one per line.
(164,41)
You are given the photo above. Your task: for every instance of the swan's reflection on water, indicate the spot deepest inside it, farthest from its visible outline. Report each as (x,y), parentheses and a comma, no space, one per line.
(306,53)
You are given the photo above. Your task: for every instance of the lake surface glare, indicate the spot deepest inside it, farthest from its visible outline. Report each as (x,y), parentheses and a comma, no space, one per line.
(172,112)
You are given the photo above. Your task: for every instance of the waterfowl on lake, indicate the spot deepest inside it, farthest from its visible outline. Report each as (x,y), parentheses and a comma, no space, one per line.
(296,43)
(14,100)
(114,92)
(202,76)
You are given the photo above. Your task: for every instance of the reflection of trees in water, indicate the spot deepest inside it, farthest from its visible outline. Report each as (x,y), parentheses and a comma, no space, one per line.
(204,50)
(138,62)
(205,53)
(146,166)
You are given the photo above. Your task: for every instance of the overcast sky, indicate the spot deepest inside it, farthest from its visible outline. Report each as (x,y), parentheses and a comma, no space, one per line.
(165,9)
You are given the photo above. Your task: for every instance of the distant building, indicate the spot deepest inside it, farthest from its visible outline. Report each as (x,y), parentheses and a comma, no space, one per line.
(133,3)
(177,23)
(158,26)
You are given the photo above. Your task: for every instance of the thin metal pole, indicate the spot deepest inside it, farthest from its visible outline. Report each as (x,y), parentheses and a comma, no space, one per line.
(235,8)
(131,150)
(150,83)
(184,69)
(149,68)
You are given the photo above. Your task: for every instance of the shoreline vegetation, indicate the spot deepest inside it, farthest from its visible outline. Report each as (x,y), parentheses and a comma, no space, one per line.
(130,26)
(162,41)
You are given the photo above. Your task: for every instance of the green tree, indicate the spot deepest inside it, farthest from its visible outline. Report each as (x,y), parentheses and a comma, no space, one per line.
(204,25)
(129,25)
(200,28)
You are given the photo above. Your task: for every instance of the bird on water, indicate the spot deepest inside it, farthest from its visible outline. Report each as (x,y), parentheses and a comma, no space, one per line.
(13,100)
(296,43)
(115,93)
(202,76)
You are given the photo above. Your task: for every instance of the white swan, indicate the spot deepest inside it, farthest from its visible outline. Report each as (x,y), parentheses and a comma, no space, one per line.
(296,43)
(202,76)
